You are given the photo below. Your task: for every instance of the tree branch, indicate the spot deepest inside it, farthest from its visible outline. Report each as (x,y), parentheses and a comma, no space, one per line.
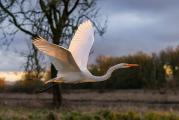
(73,8)
(14,20)
(48,15)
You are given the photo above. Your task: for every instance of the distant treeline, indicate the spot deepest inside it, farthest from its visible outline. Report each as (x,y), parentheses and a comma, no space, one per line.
(156,71)
(150,74)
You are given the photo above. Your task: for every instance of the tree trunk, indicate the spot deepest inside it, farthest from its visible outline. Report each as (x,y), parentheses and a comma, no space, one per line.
(57,96)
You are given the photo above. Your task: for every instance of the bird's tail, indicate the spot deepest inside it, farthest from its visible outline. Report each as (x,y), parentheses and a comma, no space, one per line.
(49,84)
(54,80)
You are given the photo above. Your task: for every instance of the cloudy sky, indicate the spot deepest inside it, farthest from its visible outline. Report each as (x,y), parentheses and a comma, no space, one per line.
(140,25)
(133,25)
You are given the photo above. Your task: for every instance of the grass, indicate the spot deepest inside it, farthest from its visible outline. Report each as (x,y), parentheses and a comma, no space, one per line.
(35,106)
(21,113)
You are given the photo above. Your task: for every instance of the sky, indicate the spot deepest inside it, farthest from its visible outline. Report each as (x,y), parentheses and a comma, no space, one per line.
(133,25)
(139,25)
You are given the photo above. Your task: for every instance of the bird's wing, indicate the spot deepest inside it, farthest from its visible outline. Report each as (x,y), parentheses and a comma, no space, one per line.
(81,44)
(61,57)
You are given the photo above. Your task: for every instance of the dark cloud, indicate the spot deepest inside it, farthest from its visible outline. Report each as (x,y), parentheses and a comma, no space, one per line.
(149,6)
(133,25)
(140,25)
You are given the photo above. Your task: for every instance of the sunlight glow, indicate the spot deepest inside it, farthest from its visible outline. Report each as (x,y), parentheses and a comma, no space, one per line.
(11,76)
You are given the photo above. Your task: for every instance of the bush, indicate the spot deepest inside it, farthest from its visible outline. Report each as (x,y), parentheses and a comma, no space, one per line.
(2,84)
(26,86)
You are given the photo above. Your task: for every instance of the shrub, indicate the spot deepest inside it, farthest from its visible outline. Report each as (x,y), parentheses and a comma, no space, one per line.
(2,84)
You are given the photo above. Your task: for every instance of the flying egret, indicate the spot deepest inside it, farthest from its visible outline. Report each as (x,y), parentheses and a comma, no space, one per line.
(71,63)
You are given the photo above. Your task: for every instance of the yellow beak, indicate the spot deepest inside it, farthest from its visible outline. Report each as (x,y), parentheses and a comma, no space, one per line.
(132,65)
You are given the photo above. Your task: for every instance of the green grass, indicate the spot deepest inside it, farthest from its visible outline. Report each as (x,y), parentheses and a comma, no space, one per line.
(7,113)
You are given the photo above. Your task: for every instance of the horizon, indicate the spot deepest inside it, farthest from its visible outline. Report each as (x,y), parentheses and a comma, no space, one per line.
(13,76)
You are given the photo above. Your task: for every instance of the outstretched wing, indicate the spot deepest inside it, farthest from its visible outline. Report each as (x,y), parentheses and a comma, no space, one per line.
(61,57)
(81,44)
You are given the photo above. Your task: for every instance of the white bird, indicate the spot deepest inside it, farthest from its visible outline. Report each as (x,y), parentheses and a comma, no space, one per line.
(72,63)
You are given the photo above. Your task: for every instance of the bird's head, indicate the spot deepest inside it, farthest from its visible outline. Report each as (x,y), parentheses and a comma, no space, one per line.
(127,65)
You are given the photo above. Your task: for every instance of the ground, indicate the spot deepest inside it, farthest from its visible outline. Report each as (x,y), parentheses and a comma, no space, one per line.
(88,101)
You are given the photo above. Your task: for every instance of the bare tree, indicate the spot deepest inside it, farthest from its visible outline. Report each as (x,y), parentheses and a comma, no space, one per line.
(56,20)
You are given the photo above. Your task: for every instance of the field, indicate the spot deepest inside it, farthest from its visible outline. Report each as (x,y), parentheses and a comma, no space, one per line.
(92,105)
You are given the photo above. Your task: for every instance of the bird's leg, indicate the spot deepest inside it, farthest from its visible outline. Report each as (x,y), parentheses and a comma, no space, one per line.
(45,89)
(56,81)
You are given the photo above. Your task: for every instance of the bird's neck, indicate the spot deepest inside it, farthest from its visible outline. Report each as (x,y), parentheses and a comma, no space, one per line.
(107,75)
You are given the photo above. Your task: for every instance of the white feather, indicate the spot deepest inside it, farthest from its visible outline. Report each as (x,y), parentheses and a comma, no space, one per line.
(61,57)
(81,44)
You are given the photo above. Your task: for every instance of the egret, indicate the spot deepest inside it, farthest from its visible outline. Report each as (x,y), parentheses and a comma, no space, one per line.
(71,63)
